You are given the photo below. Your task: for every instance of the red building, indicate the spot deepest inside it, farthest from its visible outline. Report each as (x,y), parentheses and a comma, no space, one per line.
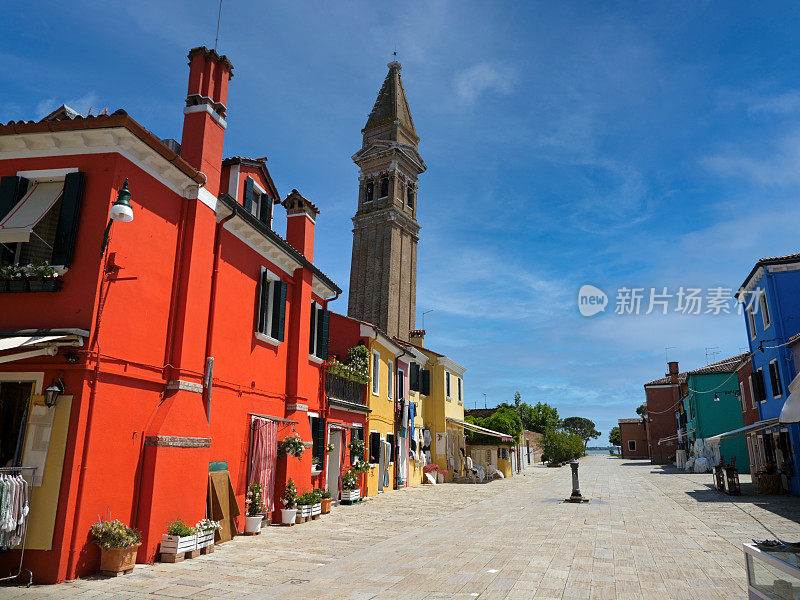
(633,435)
(755,452)
(197,330)
(662,398)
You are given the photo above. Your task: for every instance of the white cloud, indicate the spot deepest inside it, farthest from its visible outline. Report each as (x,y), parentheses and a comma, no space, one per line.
(483,77)
(779,104)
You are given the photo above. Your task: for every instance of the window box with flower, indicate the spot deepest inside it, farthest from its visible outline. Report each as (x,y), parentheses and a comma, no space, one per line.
(304,504)
(118,546)
(206,531)
(179,541)
(350,486)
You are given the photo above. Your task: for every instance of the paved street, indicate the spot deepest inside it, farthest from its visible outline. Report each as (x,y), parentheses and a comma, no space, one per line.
(646,533)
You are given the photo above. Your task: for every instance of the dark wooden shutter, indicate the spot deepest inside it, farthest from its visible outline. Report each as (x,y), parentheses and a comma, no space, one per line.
(318,439)
(374,447)
(248,194)
(263,303)
(390,439)
(774,376)
(278,310)
(425,387)
(413,381)
(68,218)
(323,326)
(12,188)
(265,210)
(761,392)
(312,338)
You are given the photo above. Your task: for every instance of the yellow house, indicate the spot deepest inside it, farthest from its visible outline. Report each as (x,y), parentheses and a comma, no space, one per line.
(410,364)
(381,396)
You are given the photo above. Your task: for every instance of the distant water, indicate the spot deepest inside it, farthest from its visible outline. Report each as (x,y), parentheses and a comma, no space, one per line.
(597,452)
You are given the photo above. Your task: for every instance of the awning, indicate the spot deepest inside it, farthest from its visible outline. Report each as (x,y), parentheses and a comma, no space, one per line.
(790,413)
(38,342)
(716,439)
(504,437)
(18,224)
(671,438)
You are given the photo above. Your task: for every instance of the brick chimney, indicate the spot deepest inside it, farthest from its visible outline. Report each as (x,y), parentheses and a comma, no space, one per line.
(301,215)
(417,337)
(673,372)
(204,116)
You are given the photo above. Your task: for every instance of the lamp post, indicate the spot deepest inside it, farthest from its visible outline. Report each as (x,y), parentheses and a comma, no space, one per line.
(120,211)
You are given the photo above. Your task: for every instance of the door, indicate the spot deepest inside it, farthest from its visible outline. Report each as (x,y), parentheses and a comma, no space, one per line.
(381,465)
(334,463)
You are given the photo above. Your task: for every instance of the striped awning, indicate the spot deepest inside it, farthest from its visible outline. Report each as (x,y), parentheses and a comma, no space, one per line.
(504,437)
(716,439)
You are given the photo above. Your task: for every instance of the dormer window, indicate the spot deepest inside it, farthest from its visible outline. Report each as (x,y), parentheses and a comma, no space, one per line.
(257,202)
(370,192)
(410,197)
(384,187)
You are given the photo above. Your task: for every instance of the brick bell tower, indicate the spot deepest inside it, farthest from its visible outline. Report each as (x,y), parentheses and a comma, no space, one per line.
(383,269)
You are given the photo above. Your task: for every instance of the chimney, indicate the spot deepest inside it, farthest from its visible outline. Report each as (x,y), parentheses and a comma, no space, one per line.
(204,116)
(673,372)
(301,215)
(417,337)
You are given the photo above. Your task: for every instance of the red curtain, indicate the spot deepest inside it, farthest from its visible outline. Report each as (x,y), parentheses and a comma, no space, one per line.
(264,458)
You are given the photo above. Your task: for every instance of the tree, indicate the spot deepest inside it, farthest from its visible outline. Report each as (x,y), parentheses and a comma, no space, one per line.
(582,427)
(560,446)
(614,437)
(642,409)
(540,417)
(504,419)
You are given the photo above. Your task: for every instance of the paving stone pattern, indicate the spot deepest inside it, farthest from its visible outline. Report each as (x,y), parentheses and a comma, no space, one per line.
(648,533)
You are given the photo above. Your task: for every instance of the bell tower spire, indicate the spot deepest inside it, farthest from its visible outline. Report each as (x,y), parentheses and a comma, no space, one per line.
(383,270)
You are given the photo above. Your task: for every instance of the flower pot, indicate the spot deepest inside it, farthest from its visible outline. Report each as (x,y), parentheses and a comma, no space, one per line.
(174,544)
(303,511)
(288,515)
(439,478)
(252,524)
(3,285)
(118,560)
(326,506)
(205,538)
(350,495)
(17,285)
(316,510)
(43,285)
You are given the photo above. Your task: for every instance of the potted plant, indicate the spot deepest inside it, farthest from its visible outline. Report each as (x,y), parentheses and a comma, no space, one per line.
(357,449)
(42,277)
(289,513)
(206,529)
(118,545)
(326,501)
(304,504)
(179,540)
(350,490)
(14,278)
(432,470)
(255,509)
(316,508)
(316,464)
(328,448)
(291,446)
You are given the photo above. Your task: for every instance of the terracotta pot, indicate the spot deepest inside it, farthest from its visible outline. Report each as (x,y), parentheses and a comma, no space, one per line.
(326,506)
(118,559)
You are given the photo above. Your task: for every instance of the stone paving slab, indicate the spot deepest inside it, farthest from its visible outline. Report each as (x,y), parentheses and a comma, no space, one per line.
(648,533)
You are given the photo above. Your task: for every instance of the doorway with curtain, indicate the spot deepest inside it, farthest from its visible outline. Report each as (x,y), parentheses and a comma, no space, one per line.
(263,458)
(334,462)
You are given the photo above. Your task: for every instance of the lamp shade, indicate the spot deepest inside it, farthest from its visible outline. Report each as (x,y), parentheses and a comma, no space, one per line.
(121,209)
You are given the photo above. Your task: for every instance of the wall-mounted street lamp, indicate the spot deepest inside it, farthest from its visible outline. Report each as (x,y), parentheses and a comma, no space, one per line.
(52,392)
(120,211)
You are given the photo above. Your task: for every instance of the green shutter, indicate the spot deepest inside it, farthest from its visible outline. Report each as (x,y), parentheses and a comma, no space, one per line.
(413,382)
(248,194)
(67,229)
(279,310)
(12,188)
(318,439)
(265,210)
(263,303)
(312,328)
(426,382)
(323,326)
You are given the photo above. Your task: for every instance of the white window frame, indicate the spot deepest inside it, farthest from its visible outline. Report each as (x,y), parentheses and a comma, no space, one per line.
(460,385)
(264,337)
(742,397)
(760,372)
(390,379)
(376,373)
(447,386)
(258,197)
(312,356)
(777,376)
(765,318)
(401,383)
(751,320)
(629,445)
(753,401)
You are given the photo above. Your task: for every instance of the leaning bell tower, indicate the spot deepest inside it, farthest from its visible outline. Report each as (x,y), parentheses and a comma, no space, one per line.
(383,269)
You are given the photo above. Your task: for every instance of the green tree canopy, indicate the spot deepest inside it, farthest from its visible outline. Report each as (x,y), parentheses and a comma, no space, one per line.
(582,427)
(560,446)
(504,419)
(614,437)
(642,409)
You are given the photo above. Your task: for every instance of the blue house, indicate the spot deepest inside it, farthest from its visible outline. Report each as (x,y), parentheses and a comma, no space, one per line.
(771,299)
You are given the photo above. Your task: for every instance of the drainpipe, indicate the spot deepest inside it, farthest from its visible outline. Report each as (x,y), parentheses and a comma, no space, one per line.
(324,408)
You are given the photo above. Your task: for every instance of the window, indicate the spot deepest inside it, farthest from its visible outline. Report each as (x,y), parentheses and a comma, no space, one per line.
(764,309)
(271,305)
(356,434)
(775,379)
(753,401)
(390,440)
(318,442)
(447,383)
(741,396)
(374,447)
(384,187)
(390,379)
(376,373)
(401,384)
(758,386)
(425,382)
(369,192)
(257,202)
(751,321)
(319,332)
(410,196)
(39,213)
(632,445)
(414,377)
(460,390)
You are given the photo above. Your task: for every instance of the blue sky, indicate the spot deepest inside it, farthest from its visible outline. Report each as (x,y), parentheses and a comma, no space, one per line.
(641,144)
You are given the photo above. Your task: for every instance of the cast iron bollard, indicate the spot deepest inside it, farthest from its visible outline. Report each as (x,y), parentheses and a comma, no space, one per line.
(576,490)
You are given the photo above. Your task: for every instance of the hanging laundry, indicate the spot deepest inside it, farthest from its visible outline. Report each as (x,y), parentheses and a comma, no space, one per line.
(14,509)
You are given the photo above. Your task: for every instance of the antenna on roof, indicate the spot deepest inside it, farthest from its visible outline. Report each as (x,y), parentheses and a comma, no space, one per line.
(666,352)
(219,18)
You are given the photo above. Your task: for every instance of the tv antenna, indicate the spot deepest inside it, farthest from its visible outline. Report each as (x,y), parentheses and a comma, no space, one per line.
(712,351)
(219,18)
(666,352)
(425,312)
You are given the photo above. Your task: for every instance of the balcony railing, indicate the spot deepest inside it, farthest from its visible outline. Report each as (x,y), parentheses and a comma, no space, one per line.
(339,388)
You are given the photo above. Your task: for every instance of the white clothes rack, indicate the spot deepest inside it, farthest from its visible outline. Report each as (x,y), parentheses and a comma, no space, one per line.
(20,568)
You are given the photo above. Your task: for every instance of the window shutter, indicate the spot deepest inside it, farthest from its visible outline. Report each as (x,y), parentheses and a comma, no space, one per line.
(279,310)
(425,387)
(760,386)
(318,439)
(265,210)
(67,228)
(413,382)
(323,326)
(263,302)
(312,338)
(248,194)
(390,439)
(374,447)
(12,189)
